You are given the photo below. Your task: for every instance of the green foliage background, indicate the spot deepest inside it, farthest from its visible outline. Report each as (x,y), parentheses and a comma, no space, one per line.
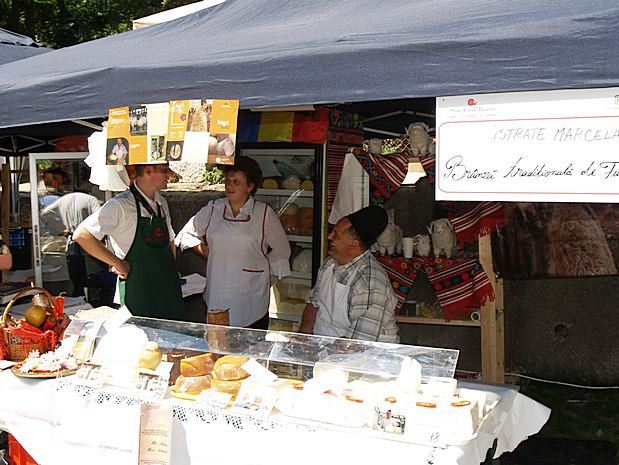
(61,23)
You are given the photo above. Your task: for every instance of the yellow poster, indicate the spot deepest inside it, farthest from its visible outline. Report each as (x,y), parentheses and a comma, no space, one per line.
(199,131)
(177,124)
(127,135)
(118,137)
(157,115)
(222,141)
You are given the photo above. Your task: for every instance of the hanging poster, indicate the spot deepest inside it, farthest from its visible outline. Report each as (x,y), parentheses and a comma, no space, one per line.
(553,146)
(198,131)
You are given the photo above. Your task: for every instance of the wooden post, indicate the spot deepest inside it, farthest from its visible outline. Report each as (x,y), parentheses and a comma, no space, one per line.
(491,331)
(500,330)
(6,204)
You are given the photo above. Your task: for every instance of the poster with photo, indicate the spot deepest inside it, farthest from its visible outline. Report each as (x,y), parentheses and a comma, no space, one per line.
(198,131)
(177,125)
(203,131)
(137,134)
(157,117)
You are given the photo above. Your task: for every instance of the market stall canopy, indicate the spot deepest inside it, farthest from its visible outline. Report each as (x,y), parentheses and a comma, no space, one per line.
(174,13)
(273,53)
(15,47)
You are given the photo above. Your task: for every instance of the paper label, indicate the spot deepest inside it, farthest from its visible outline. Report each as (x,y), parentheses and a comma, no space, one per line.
(152,385)
(259,373)
(389,421)
(117,319)
(255,399)
(86,332)
(91,374)
(213,399)
(4,364)
(155,434)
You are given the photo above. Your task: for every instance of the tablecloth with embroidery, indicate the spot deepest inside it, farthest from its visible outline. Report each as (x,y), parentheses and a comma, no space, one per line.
(469,219)
(459,284)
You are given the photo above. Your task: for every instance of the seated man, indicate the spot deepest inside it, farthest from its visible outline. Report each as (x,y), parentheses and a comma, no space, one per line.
(353,297)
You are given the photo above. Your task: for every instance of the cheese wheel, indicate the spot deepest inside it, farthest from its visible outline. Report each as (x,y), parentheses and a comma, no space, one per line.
(270,183)
(307,185)
(228,368)
(198,365)
(230,387)
(192,384)
(291,209)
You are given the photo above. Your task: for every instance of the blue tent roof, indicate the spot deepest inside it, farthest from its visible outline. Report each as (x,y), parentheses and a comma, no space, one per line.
(276,52)
(15,47)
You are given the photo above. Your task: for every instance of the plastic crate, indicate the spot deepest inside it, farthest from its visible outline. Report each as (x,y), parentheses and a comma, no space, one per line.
(17,454)
(20,244)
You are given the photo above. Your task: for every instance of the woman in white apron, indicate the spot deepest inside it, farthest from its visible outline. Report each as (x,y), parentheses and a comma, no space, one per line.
(245,243)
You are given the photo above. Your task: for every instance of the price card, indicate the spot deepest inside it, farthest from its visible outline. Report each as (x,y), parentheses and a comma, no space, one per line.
(91,374)
(213,399)
(255,399)
(152,385)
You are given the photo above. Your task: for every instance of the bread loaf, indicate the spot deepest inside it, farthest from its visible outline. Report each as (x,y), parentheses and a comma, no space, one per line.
(228,368)
(192,384)
(198,365)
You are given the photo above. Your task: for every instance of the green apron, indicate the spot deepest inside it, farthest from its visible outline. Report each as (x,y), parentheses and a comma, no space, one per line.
(153,287)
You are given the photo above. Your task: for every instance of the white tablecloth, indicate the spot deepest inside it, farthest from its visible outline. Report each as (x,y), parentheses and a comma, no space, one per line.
(59,427)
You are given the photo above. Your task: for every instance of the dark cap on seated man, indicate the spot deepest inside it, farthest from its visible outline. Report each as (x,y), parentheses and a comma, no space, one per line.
(369,223)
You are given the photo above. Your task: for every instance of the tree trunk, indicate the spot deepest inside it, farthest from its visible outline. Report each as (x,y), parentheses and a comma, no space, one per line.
(30,25)
(16,8)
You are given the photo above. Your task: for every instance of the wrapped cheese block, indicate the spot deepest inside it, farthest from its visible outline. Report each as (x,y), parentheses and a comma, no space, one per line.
(228,368)
(192,384)
(198,365)
(459,417)
(230,387)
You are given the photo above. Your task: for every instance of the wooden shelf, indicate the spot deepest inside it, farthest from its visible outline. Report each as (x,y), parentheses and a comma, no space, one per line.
(299,275)
(292,238)
(435,321)
(285,192)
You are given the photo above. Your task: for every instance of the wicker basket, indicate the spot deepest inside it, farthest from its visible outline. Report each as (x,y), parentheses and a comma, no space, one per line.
(18,346)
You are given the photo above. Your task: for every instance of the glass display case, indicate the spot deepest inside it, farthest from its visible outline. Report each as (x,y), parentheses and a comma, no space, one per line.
(276,349)
(390,391)
(292,186)
(61,196)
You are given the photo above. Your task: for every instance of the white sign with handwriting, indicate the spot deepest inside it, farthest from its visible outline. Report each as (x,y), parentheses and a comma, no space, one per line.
(155,434)
(556,146)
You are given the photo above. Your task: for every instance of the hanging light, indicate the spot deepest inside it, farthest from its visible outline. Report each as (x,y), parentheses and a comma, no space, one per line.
(414,173)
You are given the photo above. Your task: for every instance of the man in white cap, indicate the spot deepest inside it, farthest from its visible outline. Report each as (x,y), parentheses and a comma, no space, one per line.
(353,297)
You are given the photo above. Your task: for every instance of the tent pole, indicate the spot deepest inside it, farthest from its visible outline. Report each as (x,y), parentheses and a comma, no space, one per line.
(380,131)
(6,200)
(88,124)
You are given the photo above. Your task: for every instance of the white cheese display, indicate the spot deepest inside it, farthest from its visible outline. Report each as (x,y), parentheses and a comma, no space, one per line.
(402,405)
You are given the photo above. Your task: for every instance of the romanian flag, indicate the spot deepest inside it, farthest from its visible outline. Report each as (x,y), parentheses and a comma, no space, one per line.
(284,126)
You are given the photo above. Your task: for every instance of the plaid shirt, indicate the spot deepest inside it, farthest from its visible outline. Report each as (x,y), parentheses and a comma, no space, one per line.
(371,300)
